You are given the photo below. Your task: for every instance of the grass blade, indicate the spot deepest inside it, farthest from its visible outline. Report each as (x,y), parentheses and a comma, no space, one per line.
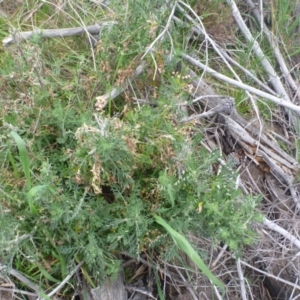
(24,158)
(47,275)
(185,246)
(159,291)
(30,196)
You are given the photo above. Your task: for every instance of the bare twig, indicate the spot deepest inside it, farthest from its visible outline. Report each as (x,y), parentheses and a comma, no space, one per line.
(150,47)
(271,225)
(274,79)
(225,107)
(242,280)
(271,275)
(54,33)
(134,289)
(68,277)
(277,100)
(274,46)
(22,278)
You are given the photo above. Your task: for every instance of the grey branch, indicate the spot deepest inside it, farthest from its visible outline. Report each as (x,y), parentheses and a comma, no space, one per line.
(225,107)
(21,278)
(55,33)
(68,277)
(277,100)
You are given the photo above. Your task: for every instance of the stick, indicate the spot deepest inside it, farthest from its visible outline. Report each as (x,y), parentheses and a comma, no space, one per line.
(13,291)
(271,225)
(150,47)
(274,46)
(241,85)
(225,107)
(54,33)
(21,277)
(273,77)
(242,280)
(271,276)
(65,280)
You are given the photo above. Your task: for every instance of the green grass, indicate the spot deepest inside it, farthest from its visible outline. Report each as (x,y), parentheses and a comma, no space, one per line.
(88,185)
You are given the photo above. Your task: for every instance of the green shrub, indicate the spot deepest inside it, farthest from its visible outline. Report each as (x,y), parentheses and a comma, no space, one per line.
(119,175)
(76,185)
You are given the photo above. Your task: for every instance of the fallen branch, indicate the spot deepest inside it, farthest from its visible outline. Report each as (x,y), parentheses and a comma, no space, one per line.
(271,275)
(273,77)
(225,107)
(275,48)
(16,291)
(22,278)
(55,33)
(277,100)
(271,225)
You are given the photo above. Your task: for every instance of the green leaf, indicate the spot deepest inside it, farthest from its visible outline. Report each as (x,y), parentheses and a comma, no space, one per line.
(24,158)
(170,191)
(168,183)
(13,163)
(62,261)
(30,196)
(159,291)
(47,275)
(44,296)
(185,246)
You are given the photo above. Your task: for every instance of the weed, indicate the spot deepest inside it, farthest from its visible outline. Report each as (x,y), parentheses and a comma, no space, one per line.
(87,186)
